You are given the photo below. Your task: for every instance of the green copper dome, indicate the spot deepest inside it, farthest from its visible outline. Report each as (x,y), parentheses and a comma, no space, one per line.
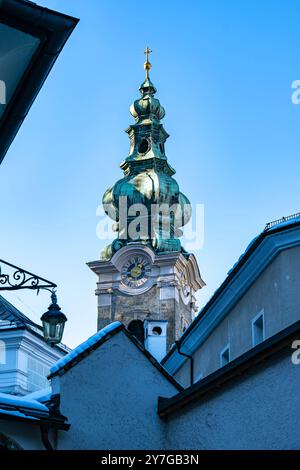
(147,107)
(147,198)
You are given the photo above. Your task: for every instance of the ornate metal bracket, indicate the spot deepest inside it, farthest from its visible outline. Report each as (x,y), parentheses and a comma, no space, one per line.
(17,278)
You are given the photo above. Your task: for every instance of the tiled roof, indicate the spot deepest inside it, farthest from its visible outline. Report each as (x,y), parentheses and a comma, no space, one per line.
(9,313)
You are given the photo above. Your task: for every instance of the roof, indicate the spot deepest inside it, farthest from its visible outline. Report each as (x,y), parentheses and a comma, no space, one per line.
(85,347)
(50,30)
(43,395)
(234,370)
(11,317)
(11,314)
(95,341)
(29,410)
(256,257)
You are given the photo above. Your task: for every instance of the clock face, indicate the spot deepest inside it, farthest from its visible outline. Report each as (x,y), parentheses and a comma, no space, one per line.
(136,271)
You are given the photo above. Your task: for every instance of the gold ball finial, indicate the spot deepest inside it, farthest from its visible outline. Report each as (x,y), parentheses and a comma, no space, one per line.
(147,65)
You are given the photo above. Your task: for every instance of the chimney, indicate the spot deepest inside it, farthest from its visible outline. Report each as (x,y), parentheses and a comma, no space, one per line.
(156,338)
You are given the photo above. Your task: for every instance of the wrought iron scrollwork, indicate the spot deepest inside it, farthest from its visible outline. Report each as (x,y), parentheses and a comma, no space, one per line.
(15,278)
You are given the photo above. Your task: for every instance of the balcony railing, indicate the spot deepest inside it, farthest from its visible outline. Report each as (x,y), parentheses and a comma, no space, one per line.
(280,221)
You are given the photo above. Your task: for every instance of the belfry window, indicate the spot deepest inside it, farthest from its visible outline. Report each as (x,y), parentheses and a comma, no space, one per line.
(136,328)
(144,146)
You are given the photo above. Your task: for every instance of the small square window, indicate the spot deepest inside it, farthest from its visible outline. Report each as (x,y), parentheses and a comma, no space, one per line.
(258,329)
(225,356)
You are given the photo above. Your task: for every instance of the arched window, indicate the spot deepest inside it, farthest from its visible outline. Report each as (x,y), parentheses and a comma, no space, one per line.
(136,327)
(2,352)
(6,443)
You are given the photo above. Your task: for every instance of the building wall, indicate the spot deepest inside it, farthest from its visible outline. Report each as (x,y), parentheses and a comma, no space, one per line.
(275,293)
(168,294)
(259,410)
(162,303)
(28,436)
(26,361)
(110,399)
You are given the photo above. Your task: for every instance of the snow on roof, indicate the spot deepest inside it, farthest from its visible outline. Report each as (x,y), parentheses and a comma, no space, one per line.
(14,401)
(40,395)
(17,414)
(284,222)
(84,346)
(243,254)
(271,227)
(12,315)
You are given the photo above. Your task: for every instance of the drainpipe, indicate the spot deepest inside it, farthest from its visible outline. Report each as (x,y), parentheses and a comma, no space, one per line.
(178,345)
(45,436)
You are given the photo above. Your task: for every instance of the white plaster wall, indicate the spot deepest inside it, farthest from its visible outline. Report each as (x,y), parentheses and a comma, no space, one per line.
(110,399)
(19,345)
(259,411)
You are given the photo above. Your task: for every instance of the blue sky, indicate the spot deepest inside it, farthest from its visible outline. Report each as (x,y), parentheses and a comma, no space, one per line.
(223,71)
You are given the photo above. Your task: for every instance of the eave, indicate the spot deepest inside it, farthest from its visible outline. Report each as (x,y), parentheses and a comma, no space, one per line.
(215,382)
(37,420)
(260,253)
(53,29)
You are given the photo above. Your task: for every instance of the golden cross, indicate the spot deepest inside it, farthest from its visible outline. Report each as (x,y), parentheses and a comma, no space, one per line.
(147,65)
(147,52)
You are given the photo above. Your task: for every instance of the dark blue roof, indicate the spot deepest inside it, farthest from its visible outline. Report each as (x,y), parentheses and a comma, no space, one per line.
(10,313)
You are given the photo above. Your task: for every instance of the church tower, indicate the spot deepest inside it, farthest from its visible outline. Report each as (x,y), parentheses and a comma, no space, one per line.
(146,279)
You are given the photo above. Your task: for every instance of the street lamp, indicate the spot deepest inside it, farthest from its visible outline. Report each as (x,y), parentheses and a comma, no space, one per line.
(53,322)
(15,278)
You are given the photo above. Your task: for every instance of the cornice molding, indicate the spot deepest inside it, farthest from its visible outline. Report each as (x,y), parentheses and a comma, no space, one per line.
(261,258)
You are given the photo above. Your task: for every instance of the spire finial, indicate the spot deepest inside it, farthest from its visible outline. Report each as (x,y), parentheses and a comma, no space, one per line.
(147,65)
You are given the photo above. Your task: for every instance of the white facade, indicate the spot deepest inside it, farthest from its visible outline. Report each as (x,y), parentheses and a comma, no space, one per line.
(27,361)
(25,357)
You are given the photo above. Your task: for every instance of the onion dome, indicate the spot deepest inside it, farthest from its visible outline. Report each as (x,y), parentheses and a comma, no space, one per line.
(147,107)
(148,184)
(146,188)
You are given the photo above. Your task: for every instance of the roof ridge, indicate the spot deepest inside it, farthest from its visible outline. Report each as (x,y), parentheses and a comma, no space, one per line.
(96,340)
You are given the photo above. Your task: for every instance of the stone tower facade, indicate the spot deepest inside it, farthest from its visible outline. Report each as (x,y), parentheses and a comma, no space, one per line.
(145,275)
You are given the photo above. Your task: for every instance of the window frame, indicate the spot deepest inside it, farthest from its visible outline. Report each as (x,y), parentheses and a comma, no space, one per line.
(225,349)
(254,320)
